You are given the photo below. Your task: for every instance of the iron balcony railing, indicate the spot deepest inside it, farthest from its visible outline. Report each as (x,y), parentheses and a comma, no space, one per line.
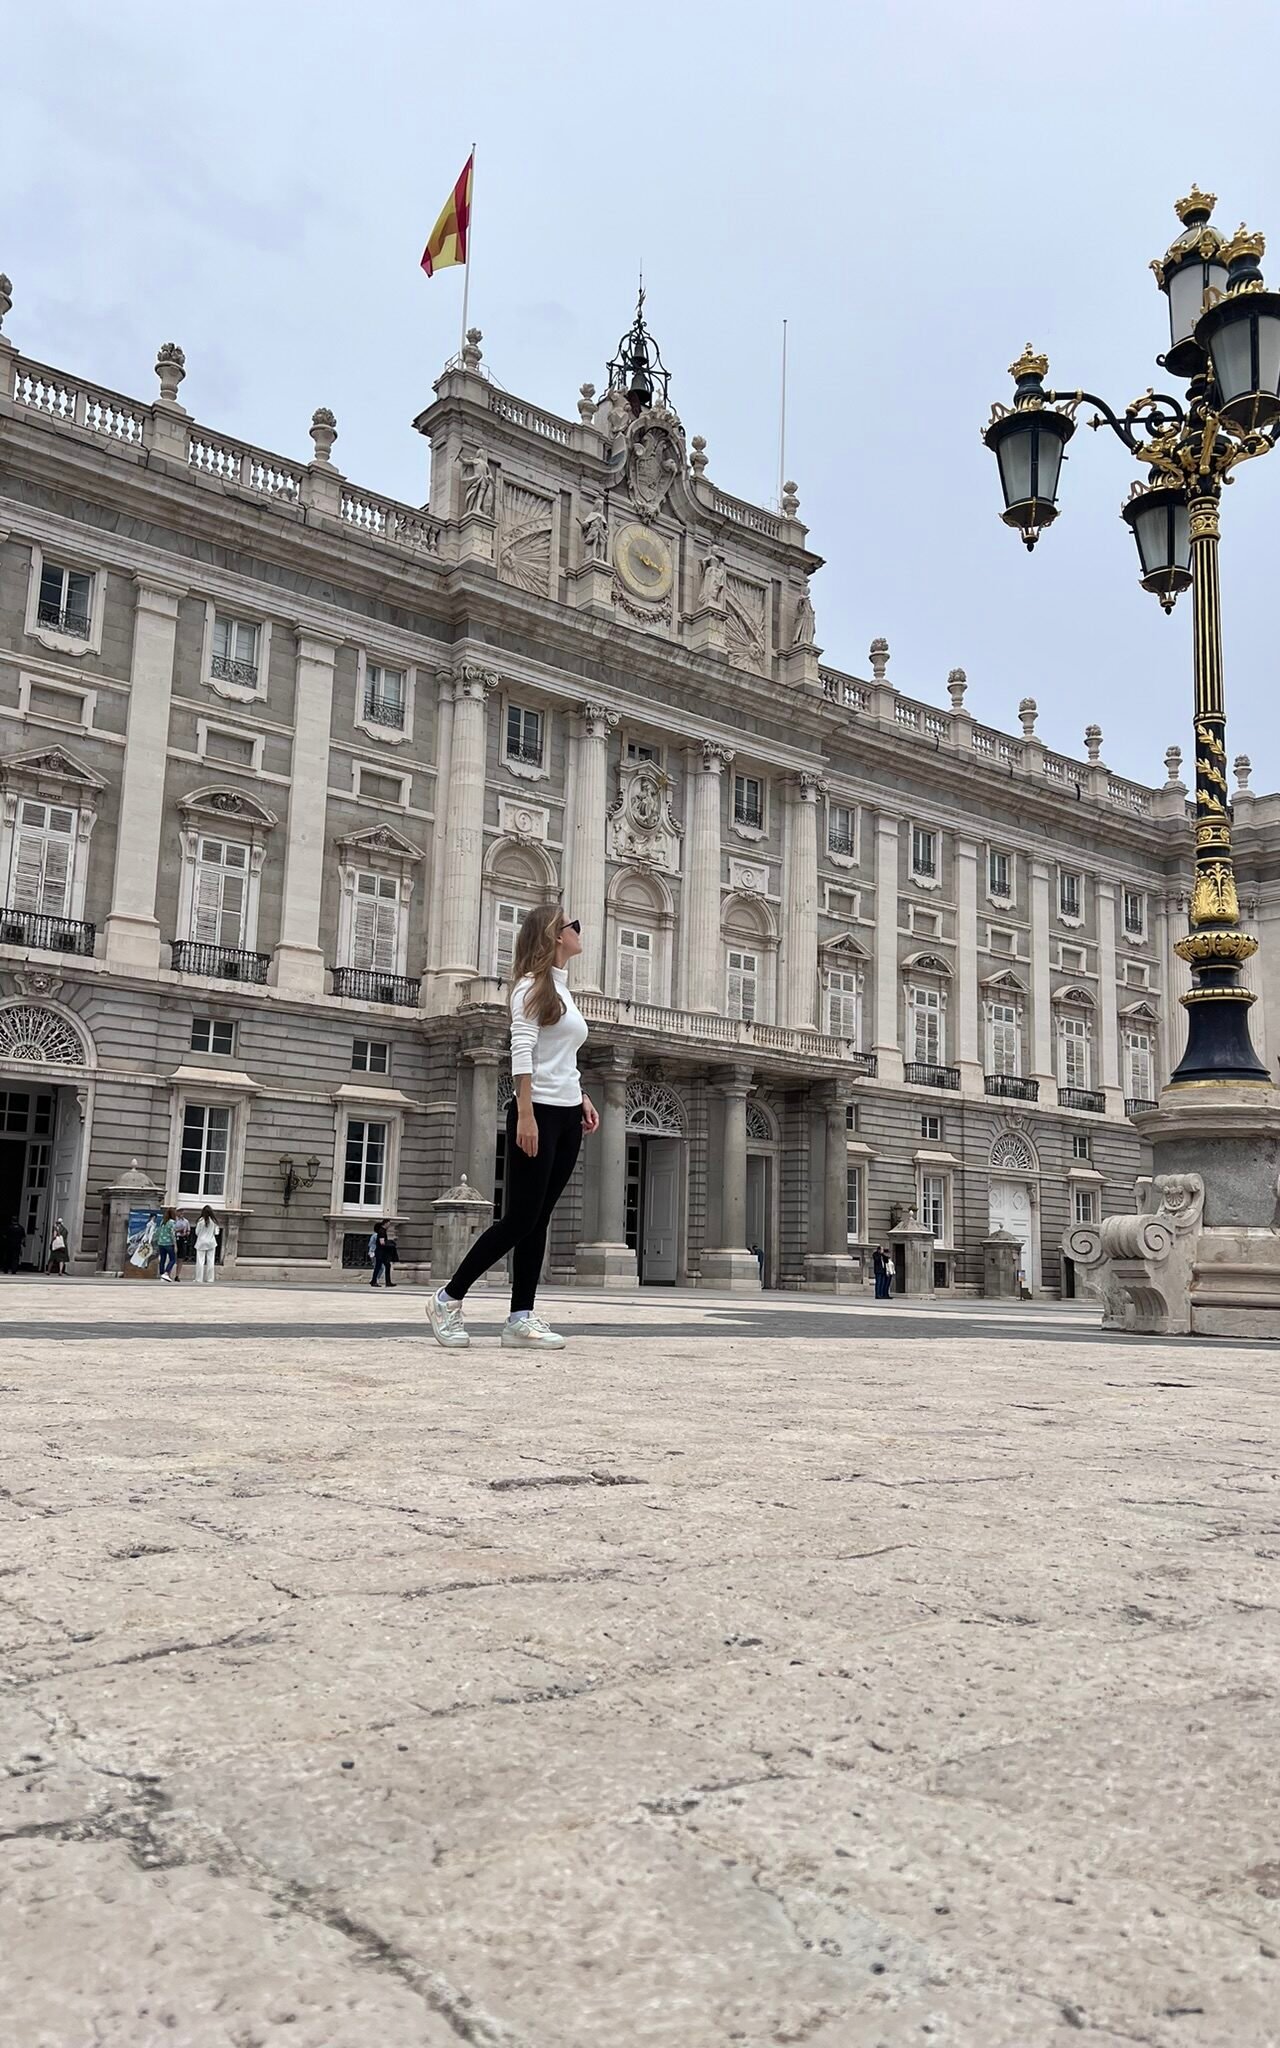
(841,843)
(219,963)
(750,815)
(861,1062)
(64,619)
(228,671)
(1134,1105)
(923,1074)
(47,934)
(1014,1087)
(1082,1098)
(371,985)
(529,751)
(382,708)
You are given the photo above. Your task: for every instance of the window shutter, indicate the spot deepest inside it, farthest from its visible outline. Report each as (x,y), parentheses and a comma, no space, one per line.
(634,966)
(234,899)
(206,905)
(57,877)
(506,918)
(28,870)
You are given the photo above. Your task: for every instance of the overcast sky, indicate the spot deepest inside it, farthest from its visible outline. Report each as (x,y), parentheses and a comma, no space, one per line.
(918,188)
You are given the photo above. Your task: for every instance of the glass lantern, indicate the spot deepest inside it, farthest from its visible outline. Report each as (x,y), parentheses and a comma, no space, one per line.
(1028,444)
(1159,520)
(1192,273)
(1241,334)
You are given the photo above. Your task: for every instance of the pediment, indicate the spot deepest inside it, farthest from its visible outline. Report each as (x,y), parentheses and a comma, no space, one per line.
(846,947)
(1142,1013)
(927,963)
(51,764)
(1007,980)
(229,806)
(380,839)
(1072,993)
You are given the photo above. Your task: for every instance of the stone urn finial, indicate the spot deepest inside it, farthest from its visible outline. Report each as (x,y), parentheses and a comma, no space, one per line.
(471,351)
(879,651)
(587,404)
(1027,713)
(698,455)
(1093,742)
(1244,769)
(790,501)
(171,368)
(1173,768)
(957,684)
(324,432)
(6,295)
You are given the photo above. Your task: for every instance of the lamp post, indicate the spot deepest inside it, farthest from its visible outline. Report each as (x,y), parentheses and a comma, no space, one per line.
(1224,328)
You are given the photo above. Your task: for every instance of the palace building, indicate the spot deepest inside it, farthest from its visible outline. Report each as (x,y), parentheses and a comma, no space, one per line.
(283,763)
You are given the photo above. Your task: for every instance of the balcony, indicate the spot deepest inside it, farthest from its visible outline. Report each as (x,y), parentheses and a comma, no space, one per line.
(1091,1099)
(381,708)
(371,985)
(923,1074)
(219,963)
(1012,1087)
(68,619)
(1137,1105)
(45,933)
(229,671)
(527,751)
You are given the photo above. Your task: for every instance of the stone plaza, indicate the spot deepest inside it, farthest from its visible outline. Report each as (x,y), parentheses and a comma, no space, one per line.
(759,1671)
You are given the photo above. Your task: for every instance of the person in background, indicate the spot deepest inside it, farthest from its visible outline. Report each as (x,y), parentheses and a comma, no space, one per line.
(385,1254)
(58,1248)
(181,1241)
(12,1239)
(166,1244)
(206,1246)
(882,1265)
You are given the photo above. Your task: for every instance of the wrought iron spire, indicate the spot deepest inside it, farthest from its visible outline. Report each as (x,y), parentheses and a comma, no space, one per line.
(637,370)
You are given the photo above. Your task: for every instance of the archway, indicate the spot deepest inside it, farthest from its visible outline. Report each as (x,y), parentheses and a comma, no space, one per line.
(47,1064)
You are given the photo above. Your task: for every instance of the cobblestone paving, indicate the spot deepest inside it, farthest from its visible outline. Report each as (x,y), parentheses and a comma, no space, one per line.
(764,1674)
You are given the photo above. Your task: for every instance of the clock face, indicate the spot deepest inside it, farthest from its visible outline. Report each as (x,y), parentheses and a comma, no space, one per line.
(643,561)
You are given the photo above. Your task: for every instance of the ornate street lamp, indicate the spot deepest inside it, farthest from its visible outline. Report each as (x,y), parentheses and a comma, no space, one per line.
(1225,340)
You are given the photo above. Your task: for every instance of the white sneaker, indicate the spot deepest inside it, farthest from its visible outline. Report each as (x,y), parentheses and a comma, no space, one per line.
(445,1318)
(530,1333)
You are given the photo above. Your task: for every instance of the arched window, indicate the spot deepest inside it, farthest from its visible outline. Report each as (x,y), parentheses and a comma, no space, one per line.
(654,1110)
(750,942)
(516,878)
(640,920)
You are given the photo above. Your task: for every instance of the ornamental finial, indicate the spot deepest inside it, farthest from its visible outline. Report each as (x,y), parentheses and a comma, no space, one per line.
(1030,363)
(1197,206)
(1244,243)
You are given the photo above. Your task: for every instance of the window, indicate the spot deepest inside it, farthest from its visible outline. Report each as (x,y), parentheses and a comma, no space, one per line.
(1073,1052)
(507,919)
(931,1127)
(853,1204)
(212,1034)
(235,650)
(643,750)
(924,1026)
(635,965)
(220,896)
(43,858)
(1135,912)
(1085,1205)
(365,1164)
(66,600)
(524,735)
(370,1056)
(842,830)
(14,1111)
(1003,1049)
(924,852)
(202,1164)
(844,1005)
(385,696)
(375,922)
(851,1116)
(1139,1066)
(1081,1145)
(1070,894)
(743,983)
(999,873)
(933,1205)
(748,802)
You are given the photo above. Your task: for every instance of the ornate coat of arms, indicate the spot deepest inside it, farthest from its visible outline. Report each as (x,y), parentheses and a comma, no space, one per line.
(642,831)
(655,457)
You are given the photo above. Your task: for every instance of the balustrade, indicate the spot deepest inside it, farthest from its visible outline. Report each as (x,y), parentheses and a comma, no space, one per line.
(1012,1087)
(1091,1099)
(46,933)
(371,985)
(219,963)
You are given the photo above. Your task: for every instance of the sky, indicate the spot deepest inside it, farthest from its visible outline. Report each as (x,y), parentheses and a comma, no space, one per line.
(917,188)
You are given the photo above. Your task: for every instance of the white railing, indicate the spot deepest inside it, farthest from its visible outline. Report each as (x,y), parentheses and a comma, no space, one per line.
(214,458)
(383,519)
(743,514)
(1130,795)
(905,713)
(714,1030)
(984,742)
(79,405)
(842,689)
(937,725)
(264,473)
(1056,769)
(529,417)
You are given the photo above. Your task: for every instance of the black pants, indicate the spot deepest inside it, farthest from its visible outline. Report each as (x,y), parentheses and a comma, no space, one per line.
(382,1264)
(533,1187)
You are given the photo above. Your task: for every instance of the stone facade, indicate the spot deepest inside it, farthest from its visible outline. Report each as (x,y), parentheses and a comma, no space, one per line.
(282,763)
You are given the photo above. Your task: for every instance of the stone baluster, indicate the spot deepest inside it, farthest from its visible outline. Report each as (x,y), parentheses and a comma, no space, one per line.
(799,977)
(730,1265)
(704,971)
(464,833)
(888,1048)
(609,1261)
(299,962)
(132,932)
(586,863)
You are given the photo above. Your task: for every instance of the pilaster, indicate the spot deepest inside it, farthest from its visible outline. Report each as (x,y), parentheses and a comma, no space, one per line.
(730,1266)
(969,1050)
(1108,1020)
(464,838)
(609,1260)
(586,863)
(703,965)
(888,1047)
(299,961)
(832,1269)
(1042,1069)
(798,980)
(132,933)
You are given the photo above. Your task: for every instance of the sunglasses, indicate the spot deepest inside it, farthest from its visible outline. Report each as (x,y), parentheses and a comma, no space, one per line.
(572,924)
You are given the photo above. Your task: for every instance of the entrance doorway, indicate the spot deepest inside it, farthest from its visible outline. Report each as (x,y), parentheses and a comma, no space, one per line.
(1011,1208)
(653,1208)
(40,1134)
(760,1213)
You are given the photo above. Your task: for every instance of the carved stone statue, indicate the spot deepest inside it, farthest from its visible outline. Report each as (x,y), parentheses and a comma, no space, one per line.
(711,588)
(595,532)
(477,482)
(805,624)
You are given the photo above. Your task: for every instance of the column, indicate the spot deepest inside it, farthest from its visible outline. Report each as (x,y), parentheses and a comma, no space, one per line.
(586,859)
(888,1048)
(1041,987)
(299,961)
(730,1266)
(439,836)
(1110,1077)
(832,1268)
(798,990)
(1177,980)
(969,1049)
(609,1261)
(486,1063)
(464,833)
(132,932)
(704,972)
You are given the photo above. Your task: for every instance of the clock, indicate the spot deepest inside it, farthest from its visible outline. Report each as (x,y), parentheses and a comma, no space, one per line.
(643,561)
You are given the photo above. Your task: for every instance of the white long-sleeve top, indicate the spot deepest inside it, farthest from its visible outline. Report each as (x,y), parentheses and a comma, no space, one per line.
(549,1052)
(206,1236)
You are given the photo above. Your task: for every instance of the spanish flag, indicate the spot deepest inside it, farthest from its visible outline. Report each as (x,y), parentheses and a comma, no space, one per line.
(447,242)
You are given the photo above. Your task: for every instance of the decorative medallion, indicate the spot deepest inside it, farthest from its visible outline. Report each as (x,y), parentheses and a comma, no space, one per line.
(641,830)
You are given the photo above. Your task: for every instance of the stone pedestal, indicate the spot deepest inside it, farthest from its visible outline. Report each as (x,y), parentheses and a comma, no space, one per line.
(912,1257)
(475,537)
(706,633)
(134,1190)
(730,1271)
(591,588)
(458,1218)
(1202,1255)
(1001,1258)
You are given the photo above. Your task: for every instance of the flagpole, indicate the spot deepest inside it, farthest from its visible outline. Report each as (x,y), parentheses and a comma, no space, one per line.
(782,419)
(466,268)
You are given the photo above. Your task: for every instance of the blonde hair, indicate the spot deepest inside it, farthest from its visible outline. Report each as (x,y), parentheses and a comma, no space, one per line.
(535,956)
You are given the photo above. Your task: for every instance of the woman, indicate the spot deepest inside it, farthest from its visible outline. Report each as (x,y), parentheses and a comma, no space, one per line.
(206,1246)
(167,1244)
(385,1253)
(883,1263)
(58,1248)
(546,1118)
